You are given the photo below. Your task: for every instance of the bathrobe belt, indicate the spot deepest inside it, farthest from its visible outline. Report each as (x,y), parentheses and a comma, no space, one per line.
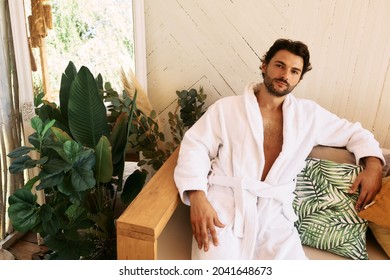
(247,205)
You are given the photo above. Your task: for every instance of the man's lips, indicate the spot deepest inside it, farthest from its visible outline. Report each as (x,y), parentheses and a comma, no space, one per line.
(282,83)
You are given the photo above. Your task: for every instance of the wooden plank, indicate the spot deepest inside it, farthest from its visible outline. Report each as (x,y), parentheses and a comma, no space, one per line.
(144,219)
(136,249)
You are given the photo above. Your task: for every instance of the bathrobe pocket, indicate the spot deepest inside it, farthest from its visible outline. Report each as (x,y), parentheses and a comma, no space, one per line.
(222,200)
(279,221)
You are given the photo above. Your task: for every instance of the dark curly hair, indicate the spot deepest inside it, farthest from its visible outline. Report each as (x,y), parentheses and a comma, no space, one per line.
(295,47)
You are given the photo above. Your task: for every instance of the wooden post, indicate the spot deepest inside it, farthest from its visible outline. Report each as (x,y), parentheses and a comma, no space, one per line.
(44,69)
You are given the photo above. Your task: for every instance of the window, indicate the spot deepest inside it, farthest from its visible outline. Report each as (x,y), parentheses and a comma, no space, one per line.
(100,37)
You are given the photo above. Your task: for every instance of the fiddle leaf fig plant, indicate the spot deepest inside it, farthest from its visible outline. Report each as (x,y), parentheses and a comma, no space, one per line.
(79,150)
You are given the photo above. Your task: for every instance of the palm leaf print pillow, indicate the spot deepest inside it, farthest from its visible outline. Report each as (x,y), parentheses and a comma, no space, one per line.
(327,219)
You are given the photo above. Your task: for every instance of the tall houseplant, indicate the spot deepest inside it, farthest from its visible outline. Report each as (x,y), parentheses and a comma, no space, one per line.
(79,148)
(146,135)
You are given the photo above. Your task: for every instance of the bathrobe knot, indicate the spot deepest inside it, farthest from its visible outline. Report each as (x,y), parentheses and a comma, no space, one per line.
(252,197)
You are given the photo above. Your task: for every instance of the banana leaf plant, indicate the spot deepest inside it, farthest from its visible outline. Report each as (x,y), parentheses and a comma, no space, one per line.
(79,150)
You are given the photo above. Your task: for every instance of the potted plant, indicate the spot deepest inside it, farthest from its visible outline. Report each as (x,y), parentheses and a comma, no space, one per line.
(146,135)
(79,148)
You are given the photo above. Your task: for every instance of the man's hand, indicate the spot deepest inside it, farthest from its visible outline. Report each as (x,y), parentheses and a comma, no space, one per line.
(204,219)
(370,182)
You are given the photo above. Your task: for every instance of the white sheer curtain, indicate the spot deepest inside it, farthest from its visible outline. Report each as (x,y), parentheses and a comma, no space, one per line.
(16,106)
(10,134)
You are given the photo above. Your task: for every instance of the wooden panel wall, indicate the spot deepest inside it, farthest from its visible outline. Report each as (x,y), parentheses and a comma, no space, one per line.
(218,45)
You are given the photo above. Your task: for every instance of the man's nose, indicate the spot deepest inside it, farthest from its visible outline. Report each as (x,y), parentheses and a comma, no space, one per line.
(285,75)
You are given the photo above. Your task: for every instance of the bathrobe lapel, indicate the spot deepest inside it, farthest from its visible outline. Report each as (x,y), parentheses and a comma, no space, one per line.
(252,148)
(290,134)
(255,148)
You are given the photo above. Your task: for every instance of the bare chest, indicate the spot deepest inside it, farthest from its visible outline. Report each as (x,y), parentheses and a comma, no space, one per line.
(273,140)
(273,132)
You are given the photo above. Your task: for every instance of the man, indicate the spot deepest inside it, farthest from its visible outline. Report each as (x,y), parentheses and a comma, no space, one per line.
(237,165)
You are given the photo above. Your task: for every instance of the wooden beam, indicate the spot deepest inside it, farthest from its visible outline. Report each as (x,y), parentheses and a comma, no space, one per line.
(140,225)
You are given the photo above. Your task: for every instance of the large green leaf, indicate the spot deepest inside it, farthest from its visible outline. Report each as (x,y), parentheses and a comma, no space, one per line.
(119,138)
(66,83)
(86,111)
(104,166)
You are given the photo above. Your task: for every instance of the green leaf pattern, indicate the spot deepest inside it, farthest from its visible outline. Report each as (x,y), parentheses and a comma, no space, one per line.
(327,219)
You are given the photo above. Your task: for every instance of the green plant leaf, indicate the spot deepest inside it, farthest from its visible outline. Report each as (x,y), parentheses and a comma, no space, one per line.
(68,249)
(82,179)
(133,185)
(76,214)
(49,180)
(60,135)
(118,138)
(47,127)
(99,82)
(30,183)
(71,149)
(51,226)
(55,166)
(50,221)
(86,111)
(104,166)
(85,159)
(23,210)
(31,163)
(37,125)
(66,83)
(20,151)
(23,196)
(34,140)
(45,212)
(50,111)
(17,165)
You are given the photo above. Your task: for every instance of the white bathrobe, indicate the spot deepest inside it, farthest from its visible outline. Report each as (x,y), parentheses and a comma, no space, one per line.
(222,154)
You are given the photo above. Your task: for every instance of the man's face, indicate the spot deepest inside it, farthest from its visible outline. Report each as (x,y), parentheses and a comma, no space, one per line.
(283,73)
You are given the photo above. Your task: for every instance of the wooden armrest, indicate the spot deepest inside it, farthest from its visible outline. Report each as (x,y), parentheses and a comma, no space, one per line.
(140,225)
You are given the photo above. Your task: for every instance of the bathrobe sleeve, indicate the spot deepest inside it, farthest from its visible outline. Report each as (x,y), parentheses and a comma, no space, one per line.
(332,130)
(199,146)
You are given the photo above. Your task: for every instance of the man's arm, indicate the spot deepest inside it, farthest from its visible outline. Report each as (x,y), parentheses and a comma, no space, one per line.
(369,180)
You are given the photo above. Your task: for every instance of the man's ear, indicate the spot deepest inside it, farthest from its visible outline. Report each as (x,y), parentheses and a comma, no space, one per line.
(263,67)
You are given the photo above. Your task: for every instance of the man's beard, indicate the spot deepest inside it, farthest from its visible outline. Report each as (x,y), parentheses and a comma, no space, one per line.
(268,82)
